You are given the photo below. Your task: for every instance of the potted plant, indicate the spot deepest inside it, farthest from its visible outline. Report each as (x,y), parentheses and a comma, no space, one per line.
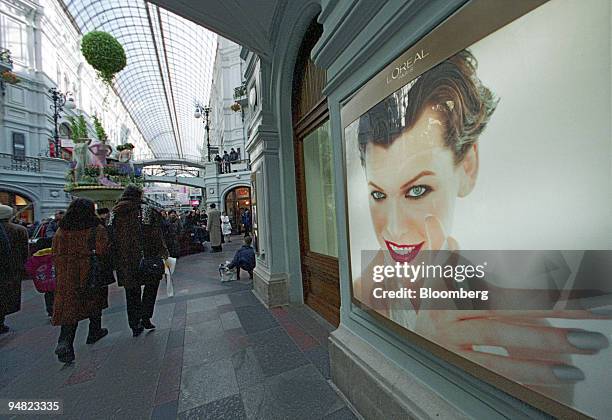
(100,132)
(10,77)
(104,53)
(235,107)
(78,128)
(6,62)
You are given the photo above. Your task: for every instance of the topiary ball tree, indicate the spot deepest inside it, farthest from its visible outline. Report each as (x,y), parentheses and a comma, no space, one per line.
(104,53)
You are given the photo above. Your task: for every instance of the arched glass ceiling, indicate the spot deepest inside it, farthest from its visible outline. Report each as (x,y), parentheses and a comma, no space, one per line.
(169,68)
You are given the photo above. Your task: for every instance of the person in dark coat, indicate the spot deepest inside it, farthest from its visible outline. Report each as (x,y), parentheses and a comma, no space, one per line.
(244,259)
(136,232)
(226,163)
(172,233)
(218,161)
(246,221)
(71,250)
(13,255)
(54,224)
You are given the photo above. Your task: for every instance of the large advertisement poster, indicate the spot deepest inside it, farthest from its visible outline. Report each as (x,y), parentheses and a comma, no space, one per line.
(479,194)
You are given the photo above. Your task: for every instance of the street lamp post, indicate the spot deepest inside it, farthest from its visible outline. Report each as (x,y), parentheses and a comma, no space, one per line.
(60,100)
(198,113)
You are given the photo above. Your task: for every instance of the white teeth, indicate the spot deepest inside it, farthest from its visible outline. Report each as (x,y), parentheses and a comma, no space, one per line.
(402,250)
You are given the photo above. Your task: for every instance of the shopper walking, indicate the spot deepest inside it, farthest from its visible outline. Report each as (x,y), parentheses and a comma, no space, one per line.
(13,254)
(171,234)
(214,228)
(80,232)
(137,240)
(246,221)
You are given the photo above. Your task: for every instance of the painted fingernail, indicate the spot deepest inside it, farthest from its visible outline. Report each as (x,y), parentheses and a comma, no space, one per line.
(597,305)
(601,311)
(568,373)
(587,340)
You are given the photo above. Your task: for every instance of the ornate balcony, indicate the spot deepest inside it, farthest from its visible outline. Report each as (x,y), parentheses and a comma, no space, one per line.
(22,164)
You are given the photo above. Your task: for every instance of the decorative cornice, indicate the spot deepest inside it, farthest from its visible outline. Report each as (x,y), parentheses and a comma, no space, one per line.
(402,17)
(339,27)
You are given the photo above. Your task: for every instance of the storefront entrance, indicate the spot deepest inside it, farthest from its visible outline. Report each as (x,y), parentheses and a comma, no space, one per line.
(24,207)
(315,184)
(237,200)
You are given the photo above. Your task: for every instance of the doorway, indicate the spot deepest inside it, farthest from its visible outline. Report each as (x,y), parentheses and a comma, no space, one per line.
(315,187)
(236,201)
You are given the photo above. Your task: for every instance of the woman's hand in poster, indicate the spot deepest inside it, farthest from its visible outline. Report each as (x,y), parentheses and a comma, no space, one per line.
(519,344)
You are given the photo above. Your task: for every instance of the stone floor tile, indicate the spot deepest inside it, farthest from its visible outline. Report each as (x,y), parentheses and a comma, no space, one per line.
(245,298)
(162,398)
(230,320)
(166,411)
(255,318)
(202,316)
(205,383)
(203,331)
(316,399)
(275,398)
(246,366)
(225,308)
(176,339)
(301,338)
(276,363)
(275,340)
(206,351)
(319,356)
(259,404)
(343,414)
(228,408)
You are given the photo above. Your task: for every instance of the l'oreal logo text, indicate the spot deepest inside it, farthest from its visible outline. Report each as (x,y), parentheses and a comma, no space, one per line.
(405,67)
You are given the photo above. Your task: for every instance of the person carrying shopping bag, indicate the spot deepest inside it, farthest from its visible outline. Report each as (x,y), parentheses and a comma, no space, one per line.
(139,251)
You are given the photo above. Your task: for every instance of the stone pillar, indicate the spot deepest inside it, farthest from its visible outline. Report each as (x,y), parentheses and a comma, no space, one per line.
(271,278)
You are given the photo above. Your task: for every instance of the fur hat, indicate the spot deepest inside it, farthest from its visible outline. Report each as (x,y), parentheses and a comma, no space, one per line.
(6,212)
(131,192)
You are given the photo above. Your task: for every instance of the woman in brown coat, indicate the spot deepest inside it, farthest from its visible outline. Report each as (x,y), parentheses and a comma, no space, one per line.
(71,251)
(136,232)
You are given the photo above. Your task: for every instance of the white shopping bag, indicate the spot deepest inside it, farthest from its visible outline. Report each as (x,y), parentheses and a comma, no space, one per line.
(170,265)
(169,285)
(226,274)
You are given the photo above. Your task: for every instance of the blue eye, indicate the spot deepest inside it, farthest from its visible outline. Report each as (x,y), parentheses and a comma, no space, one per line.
(418,191)
(377,195)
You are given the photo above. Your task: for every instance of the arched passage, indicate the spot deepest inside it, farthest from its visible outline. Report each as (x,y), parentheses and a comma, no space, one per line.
(235,202)
(19,201)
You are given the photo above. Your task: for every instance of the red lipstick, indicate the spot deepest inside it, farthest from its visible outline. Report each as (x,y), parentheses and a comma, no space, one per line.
(403,253)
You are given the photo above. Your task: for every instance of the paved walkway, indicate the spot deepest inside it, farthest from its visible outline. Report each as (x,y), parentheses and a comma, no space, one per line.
(217,353)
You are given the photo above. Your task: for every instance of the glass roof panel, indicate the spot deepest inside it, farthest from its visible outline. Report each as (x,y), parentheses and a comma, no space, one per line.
(169,68)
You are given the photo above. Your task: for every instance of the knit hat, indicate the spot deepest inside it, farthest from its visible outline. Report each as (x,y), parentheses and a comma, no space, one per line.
(6,212)
(131,192)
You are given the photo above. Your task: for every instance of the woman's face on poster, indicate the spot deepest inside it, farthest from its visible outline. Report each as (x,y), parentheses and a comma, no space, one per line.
(412,179)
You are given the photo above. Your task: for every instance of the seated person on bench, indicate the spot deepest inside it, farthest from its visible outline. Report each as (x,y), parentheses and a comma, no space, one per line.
(244,258)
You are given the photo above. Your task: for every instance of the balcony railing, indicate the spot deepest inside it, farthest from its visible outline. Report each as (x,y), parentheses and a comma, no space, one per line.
(235,166)
(21,164)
